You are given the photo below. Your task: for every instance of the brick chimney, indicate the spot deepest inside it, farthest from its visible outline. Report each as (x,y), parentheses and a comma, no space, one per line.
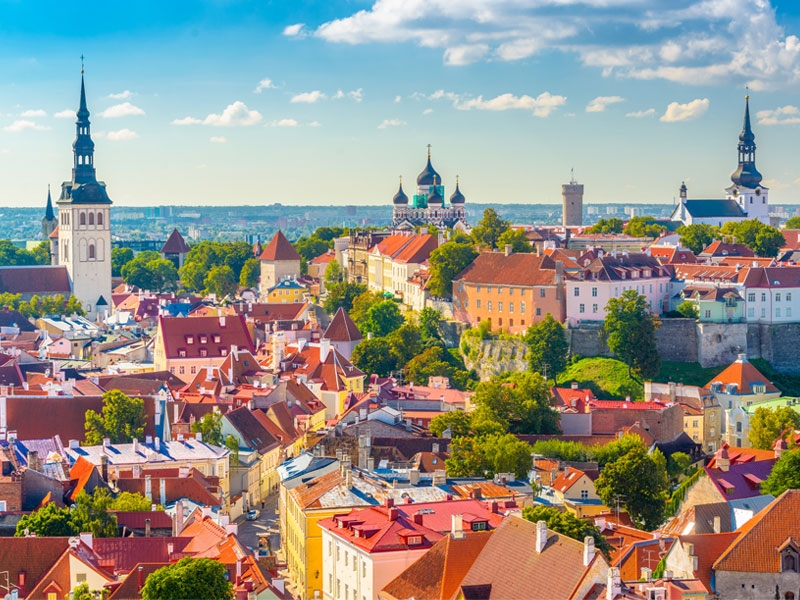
(34,463)
(394,512)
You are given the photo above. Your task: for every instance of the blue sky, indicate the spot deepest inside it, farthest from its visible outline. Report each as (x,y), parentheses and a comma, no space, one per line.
(329,102)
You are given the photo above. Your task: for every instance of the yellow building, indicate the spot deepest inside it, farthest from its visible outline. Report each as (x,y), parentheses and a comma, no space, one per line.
(287,291)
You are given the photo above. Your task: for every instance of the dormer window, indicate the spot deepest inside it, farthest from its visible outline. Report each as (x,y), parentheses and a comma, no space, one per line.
(182,352)
(190,339)
(789,560)
(217,339)
(203,339)
(414,540)
(203,352)
(223,352)
(479,526)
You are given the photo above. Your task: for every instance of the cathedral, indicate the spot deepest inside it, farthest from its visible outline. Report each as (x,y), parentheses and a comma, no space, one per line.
(745,199)
(80,241)
(428,207)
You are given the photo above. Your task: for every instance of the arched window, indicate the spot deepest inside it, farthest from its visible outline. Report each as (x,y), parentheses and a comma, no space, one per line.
(91,218)
(789,562)
(83,218)
(99,218)
(91,251)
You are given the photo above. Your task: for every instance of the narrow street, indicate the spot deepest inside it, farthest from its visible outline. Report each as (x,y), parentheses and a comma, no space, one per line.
(267,523)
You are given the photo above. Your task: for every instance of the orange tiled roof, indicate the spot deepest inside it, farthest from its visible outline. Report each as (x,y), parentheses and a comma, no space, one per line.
(742,373)
(279,248)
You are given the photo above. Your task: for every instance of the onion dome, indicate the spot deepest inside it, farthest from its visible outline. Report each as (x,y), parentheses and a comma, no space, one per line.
(435,198)
(400,197)
(429,174)
(457,197)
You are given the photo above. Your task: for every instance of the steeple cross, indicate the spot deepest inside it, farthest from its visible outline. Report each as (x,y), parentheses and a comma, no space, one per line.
(429,150)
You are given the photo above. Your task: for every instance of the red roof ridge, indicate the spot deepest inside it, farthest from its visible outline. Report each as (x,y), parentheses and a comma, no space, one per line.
(279,248)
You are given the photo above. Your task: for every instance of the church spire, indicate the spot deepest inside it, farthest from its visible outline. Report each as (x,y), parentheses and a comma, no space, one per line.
(83,146)
(49,214)
(746,174)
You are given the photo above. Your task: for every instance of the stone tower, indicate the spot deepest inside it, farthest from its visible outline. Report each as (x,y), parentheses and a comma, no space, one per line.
(572,203)
(84,223)
(49,221)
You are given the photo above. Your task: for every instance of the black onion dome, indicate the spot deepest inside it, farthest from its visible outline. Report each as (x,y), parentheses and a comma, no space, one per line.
(457,197)
(400,197)
(429,176)
(435,197)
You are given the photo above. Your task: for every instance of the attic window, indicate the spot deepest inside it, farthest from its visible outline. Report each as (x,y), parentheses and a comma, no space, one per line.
(190,339)
(203,339)
(182,352)
(414,540)
(224,352)
(217,339)
(203,352)
(479,526)
(789,561)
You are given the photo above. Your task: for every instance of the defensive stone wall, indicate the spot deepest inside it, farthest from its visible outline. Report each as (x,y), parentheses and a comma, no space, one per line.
(498,356)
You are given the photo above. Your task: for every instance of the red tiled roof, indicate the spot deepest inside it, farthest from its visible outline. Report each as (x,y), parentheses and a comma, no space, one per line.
(719,248)
(129,588)
(418,249)
(439,572)
(79,475)
(279,248)
(176,332)
(566,480)
(516,269)
(755,549)
(738,481)
(40,279)
(129,551)
(342,328)
(323,259)
(137,519)
(742,373)
(707,548)
(175,244)
(34,556)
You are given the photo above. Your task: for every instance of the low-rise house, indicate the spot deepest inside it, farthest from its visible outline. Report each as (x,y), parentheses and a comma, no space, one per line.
(692,556)
(663,421)
(288,291)
(575,490)
(714,304)
(702,413)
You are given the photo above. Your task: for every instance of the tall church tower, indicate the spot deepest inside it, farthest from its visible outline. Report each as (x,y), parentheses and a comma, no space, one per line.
(747,191)
(84,224)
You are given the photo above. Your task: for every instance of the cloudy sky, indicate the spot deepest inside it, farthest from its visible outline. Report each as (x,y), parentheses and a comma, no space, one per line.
(328,102)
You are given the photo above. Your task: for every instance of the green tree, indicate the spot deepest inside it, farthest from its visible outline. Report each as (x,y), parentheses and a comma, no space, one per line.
(566,524)
(189,578)
(678,464)
(210,427)
(361,305)
(333,272)
(311,247)
(48,521)
(762,239)
(221,281)
(131,502)
(147,270)
(436,362)
(639,481)
(342,295)
(41,253)
(91,513)
(232,444)
(119,258)
(516,238)
(612,225)
(547,346)
(631,330)
(518,402)
(689,309)
(447,261)
(618,448)
(785,475)
(562,450)
(489,228)
(82,592)
(792,223)
(506,453)
(13,256)
(767,425)
(251,270)
(206,255)
(404,344)
(374,357)
(458,421)
(382,318)
(768,242)
(122,418)
(644,227)
(429,319)
(697,236)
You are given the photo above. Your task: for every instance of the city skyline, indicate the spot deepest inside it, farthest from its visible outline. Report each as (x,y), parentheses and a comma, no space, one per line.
(243,103)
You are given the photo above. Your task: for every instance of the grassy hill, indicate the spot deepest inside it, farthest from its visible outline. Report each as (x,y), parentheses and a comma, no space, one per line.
(606,377)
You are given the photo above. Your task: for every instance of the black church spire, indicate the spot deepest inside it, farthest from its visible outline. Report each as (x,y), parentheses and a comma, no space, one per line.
(746,174)
(49,214)
(83,146)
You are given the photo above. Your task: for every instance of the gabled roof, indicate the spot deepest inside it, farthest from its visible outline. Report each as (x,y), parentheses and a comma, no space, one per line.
(175,244)
(713,208)
(720,248)
(439,572)
(567,479)
(252,431)
(39,279)
(707,548)
(743,374)
(279,248)
(755,549)
(185,333)
(516,269)
(342,328)
(33,556)
(418,249)
(740,480)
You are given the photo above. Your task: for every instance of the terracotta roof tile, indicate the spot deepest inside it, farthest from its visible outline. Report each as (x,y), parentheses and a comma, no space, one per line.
(742,373)
(516,269)
(129,588)
(707,548)
(40,279)
(220,334)
(418,249)
(342,328)
(279,248)
(175,244)
(33,556)
(755,548)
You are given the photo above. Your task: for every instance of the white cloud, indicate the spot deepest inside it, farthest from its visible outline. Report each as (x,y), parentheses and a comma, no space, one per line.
(217,139)
(639,114)
(23,124)
(315,124)
(187,121)
(600,103)
(356,95)
(427,111)
(386,123)
(685,112)
(32,114)
(293,30)
(283,123)
(126,109)
(236,114)
(65,114)
(398,99)
(126,95)
(122,135)
(264,84)
(784,115)
(308,97)
(695,42)
(542,106)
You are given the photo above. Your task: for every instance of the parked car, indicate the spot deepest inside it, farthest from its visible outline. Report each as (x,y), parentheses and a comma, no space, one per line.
(252,515)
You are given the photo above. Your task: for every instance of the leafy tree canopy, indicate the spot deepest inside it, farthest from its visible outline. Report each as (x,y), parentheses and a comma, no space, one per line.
(149,271)
(697,236)
(689,309)
(487,455)
(516,238)
(333,272)
(382,318)
(12,255)
(517,402)
(251,270)
(767,425)
(131,502)
(429,319)
(646,226)
(342,295)
(561,450)
(206,255)
(547,346)
(361,305)
(39,306)
(119,257)
(210,427)
(489,229)
(374,357)
(458,421)
(631,330)
(792,223)
(221,280)
(122,418)
(438,362)
(189,578)
(404,344)
(762,239)
(785,474)
(612,225)
(447,261)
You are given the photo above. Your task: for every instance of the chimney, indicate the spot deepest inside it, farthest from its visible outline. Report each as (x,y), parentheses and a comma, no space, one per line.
(324,349)
(371,465)
(508,250)
(147,527)
(158,444)
(435,448)
(475,493)
(86,538)
(34,464)
(457,527)
(140,581)
(148,488)
(717,524)
(163,491)
(541,536)
(418,517)
(389,502)
(348,479)
(614,585)
(104,467)
(135,446)
(413,476)
(667,575)
(394,512)
(183,472)
(178,522)
(574,385)
(647,573)
(588,550)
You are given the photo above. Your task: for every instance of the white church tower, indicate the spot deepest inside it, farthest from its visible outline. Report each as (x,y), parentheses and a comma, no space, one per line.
(84,224)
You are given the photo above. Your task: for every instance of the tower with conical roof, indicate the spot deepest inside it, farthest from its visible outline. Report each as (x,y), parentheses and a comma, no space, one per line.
(49,221)
(747,191)
(84,222)
(279,261)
